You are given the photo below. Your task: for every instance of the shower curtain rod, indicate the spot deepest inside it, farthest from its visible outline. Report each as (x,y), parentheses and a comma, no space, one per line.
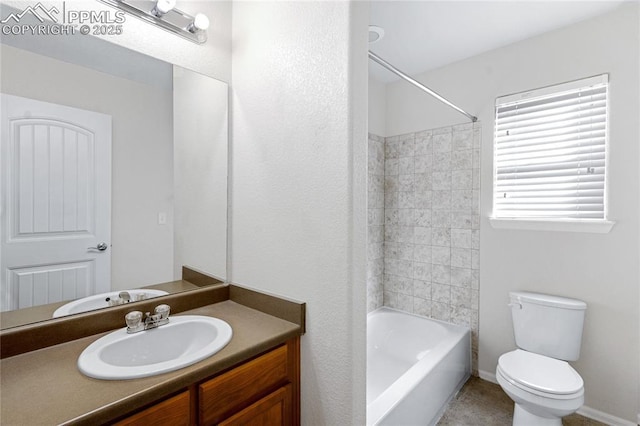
(419,85)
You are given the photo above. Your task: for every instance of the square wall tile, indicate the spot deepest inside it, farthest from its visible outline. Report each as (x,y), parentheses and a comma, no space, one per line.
(461,316)
(422,253)
(441,161)
(423,163)
(462,179)
(442,142)
(391,149)
(422,271)
(441,200)
(443,219)
(423,143)
(440,311)
(441,274)
(406,165)
(461,220)
(422,289)
(391,167)
(405,217)
(390,200)
(462,139)
(406,146)
(461,277)
(422,217)
(441,293)
(406,200)
(461,297)
(422,235)
(461,257)
(442,256)
(461,238)
(441,237)
(406,182)
(423,200)
(423,182)
(462,160)
(441,180)
(391,183)
(405,234)
(461,199)
(421,307)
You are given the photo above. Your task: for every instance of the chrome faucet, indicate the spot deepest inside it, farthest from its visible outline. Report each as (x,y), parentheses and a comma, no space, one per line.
(125,296)
(135,323)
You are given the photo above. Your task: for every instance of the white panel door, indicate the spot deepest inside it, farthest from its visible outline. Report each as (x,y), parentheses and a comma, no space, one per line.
(55,211)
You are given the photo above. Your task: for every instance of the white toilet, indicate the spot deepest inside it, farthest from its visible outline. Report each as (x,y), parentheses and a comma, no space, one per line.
(548,331)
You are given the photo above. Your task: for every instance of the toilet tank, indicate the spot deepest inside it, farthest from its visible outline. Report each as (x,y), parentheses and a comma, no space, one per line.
(548,325)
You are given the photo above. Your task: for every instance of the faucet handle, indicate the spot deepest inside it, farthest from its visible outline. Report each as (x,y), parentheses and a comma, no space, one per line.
(163,310)
(133,319)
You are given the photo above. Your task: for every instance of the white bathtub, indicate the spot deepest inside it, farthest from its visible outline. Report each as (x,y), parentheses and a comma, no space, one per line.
(415,365)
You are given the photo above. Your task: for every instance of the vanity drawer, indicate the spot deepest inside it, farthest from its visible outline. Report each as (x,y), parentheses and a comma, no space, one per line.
(231,392)
(273,409)
(173,411)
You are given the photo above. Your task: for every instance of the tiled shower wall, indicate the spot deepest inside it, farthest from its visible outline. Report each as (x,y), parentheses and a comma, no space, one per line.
(431,224)
(375,254)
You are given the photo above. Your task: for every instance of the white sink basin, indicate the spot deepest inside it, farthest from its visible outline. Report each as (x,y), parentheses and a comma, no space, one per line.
(184,341)
(98,301)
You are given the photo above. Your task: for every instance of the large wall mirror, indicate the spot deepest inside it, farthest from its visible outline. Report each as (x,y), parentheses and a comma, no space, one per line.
(113,175)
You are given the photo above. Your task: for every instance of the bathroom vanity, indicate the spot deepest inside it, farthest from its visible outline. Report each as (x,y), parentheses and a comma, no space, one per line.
(260,391)
(254,379)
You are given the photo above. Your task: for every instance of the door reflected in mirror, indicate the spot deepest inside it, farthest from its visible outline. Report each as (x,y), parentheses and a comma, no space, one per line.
(114,174)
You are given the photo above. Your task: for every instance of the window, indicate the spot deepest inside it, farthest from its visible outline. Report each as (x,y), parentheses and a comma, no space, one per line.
(550,153)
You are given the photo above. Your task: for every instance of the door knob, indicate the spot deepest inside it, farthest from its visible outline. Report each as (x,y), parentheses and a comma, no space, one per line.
(100,247)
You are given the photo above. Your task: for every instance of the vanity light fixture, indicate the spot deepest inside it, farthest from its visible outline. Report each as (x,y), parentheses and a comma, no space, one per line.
(163,14)
(200,23)
(162,7)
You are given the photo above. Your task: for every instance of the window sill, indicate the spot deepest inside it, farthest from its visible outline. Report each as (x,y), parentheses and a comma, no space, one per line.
(567,225)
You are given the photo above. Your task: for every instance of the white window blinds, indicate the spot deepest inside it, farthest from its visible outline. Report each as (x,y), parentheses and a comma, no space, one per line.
(550,152)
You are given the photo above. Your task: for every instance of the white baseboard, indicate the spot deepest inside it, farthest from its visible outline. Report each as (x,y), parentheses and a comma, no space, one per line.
(489,377)
(585,411)
(605,418)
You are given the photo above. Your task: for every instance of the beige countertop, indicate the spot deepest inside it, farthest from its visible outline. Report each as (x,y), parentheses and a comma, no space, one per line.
(45,386)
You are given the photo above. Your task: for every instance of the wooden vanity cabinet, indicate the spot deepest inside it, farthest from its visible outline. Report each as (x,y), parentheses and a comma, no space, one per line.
(264,391)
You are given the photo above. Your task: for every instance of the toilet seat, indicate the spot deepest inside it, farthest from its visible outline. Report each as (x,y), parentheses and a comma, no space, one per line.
(540,375)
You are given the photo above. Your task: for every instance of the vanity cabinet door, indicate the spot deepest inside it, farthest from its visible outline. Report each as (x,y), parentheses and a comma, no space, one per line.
(272,410)
(173,411)
(231,392)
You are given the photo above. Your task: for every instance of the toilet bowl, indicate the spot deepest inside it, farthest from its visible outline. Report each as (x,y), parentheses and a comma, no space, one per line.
(537,376)
(543,389)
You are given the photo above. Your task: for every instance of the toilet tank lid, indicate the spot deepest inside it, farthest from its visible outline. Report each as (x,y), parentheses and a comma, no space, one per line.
(547,300)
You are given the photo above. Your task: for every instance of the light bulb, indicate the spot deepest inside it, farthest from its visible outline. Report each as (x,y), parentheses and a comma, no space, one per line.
(163,6)
(200,22)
